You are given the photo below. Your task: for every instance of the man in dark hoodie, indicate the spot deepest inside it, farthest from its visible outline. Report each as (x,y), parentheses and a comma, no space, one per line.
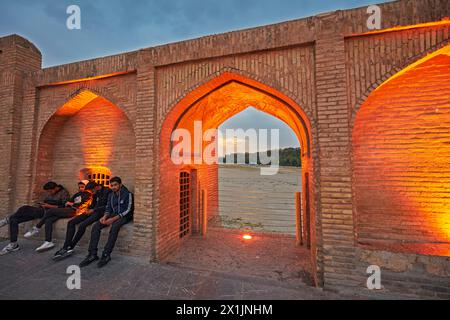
(119,211)
(77,205)
(56,196)
(93,214)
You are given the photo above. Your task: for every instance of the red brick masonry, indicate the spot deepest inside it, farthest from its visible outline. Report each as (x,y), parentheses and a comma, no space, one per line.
(375,158)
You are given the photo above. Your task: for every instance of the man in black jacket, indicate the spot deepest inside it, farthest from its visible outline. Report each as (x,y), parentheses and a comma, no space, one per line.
(119,212)
(56,197)
(93,214)
(77,205)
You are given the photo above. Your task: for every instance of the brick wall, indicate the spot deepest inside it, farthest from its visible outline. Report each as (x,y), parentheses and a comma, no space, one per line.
(323,65)
(401,154)
(98,135)
(17,58)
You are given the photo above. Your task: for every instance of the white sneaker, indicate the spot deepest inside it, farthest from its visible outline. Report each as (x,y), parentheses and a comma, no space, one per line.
(33,232)
(4,222)
(46,246)
(12,247)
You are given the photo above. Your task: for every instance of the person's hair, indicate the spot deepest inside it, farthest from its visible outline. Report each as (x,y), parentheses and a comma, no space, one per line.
(115,179)
(81,183)
(91,185)
(50,185)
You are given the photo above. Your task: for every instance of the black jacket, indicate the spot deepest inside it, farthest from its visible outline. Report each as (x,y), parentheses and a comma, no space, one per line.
(100,200)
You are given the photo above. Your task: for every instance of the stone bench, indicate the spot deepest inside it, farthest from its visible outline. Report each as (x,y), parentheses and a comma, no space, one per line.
(123,244)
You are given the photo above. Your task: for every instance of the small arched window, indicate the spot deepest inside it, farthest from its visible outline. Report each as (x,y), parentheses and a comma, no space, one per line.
(100,175)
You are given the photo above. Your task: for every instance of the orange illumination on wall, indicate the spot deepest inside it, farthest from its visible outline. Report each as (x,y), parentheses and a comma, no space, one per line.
(75,104)
(401,143)
(442,52)
(99,124)
(84,133)
(443,22)
(89,78)
(99,132)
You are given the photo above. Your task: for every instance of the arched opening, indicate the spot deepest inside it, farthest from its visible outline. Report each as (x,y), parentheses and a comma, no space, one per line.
(87,138)
(401,156)
(204,109)
(248,200)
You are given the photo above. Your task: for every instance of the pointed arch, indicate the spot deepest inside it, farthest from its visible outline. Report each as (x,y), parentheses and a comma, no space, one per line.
(252,93)
(213,102)
(87,130)
(400,159)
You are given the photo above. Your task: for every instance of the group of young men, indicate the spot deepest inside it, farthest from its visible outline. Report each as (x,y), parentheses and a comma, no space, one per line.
(92,204)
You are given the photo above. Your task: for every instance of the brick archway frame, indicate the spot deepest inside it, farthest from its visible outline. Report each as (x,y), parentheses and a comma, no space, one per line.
(166,240)
(76,101)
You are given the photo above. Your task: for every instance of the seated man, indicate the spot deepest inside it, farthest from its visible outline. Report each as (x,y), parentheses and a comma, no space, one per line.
(119,212)
(93,214)
(77,205)
(56,197)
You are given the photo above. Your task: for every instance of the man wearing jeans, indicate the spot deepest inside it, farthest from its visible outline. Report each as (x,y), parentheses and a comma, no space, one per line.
(92,215)
(119,211)
(56,197)
(77,205)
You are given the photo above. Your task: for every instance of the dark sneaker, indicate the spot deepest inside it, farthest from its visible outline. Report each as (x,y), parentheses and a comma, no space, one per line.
(59,254)
(104,261)
(63,253)
(88,260)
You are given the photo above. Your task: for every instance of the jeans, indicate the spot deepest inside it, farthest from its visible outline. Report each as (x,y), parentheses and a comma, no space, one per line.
(82,221)
(113,234)
(23,214)
(51,216)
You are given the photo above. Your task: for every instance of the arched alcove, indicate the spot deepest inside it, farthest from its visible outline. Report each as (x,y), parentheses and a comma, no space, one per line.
(401,156)
(86,132)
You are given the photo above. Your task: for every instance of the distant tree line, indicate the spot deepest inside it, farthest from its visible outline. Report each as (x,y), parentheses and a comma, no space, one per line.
(289,157)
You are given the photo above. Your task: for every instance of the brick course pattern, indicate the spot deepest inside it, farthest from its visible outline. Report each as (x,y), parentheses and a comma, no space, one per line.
(328,73)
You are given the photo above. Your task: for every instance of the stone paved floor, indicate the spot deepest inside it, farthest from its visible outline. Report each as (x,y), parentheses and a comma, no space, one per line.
(29,275)
(267,255)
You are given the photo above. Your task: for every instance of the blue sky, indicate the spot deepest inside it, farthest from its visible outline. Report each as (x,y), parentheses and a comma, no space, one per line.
(113,26)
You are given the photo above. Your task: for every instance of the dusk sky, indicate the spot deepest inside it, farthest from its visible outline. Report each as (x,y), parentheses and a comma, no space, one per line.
(112,26)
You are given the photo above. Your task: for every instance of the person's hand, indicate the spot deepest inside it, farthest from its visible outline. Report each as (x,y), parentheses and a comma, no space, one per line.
(103,219)
(109,222)
(46,206)
(69,204)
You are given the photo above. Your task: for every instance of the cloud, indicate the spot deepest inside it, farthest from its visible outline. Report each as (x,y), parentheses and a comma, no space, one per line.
(114,26)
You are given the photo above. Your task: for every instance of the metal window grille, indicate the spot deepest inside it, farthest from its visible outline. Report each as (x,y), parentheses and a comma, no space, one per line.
(100,176)
(185,203)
